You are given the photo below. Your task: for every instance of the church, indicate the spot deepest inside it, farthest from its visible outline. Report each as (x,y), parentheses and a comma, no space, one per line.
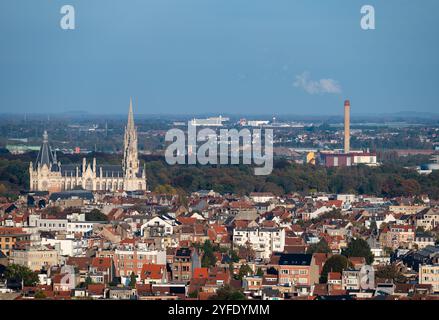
(48,174)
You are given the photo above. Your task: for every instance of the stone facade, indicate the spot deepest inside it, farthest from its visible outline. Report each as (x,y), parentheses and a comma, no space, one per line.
(48,174)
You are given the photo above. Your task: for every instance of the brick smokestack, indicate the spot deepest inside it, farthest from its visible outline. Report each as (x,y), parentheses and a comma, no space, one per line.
(347,126)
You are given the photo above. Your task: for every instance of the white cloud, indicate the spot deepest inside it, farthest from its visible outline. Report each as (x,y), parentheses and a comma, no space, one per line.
(304,82)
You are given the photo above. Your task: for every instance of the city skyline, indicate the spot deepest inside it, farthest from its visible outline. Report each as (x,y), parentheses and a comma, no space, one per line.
(213,158)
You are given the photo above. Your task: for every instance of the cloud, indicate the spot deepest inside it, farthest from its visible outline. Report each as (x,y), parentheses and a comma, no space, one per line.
(316,86)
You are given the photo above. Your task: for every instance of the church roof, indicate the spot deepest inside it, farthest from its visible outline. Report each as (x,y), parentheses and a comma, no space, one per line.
(81,194)
(45,155)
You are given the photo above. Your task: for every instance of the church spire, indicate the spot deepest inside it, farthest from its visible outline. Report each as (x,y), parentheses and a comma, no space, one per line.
(130,124)
(130,161)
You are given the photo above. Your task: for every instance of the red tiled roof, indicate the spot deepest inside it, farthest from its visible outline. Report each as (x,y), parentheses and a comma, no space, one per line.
(357,260)
(241,223)
(81,263)
(334,203)
(294,241)
(205,295)
(187,220)
(128,241)
(219,229)
(240,205)
(334,276)
(201,273)
(152,271)
(11,230)
(96,289)
(101,263)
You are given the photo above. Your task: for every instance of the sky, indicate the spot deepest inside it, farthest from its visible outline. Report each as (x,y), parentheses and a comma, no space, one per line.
(219,56)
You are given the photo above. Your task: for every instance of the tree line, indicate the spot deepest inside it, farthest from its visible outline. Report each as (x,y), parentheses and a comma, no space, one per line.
(388,180)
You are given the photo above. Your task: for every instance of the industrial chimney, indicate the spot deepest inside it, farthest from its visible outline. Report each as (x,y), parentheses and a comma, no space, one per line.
(347,125)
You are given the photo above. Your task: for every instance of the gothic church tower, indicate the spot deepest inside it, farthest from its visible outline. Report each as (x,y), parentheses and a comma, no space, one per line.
(47,174)
(134,178)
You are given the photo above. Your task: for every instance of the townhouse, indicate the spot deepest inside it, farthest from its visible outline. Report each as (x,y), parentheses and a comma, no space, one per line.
(296,269)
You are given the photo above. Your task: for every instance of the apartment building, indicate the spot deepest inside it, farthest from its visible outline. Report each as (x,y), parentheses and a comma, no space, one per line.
(398,236)
(296,269)
(70,247)
(264,241)
(35,258)
(429,274)
(82,227)
(406,209)
(9,237)
(428,220)
(159,226)
(185,261)
(131,258)
(43,224)
(350,280)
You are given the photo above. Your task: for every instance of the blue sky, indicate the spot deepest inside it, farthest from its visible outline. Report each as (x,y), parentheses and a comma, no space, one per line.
(219,56)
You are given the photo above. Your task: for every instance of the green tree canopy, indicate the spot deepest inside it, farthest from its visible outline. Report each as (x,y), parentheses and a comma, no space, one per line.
(390,272)
(228,293)
(40,295)
(320,247)
(95,215)
(165,189)
(336,263)
(208,260)
(133,280)
(244,270)
(88,281)
(359,248)
(21,273)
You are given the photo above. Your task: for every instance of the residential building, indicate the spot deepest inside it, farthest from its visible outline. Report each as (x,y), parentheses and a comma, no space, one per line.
(429,274)
(10,236)
(184,263)
(264,241)
(35,257)
(296,269)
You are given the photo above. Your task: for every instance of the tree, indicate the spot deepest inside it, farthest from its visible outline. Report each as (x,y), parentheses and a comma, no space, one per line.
(320,247)
(165,189)
(3,189)
(246,252)
(228,293)
(359,248)
(208,259)
(337,263)
(259,272)
(244,270)
(388,251)
(234,256)
(40,295)
(20,273)
(193,294)
(88,281)
(133,280)
(95,215)
(390,272)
